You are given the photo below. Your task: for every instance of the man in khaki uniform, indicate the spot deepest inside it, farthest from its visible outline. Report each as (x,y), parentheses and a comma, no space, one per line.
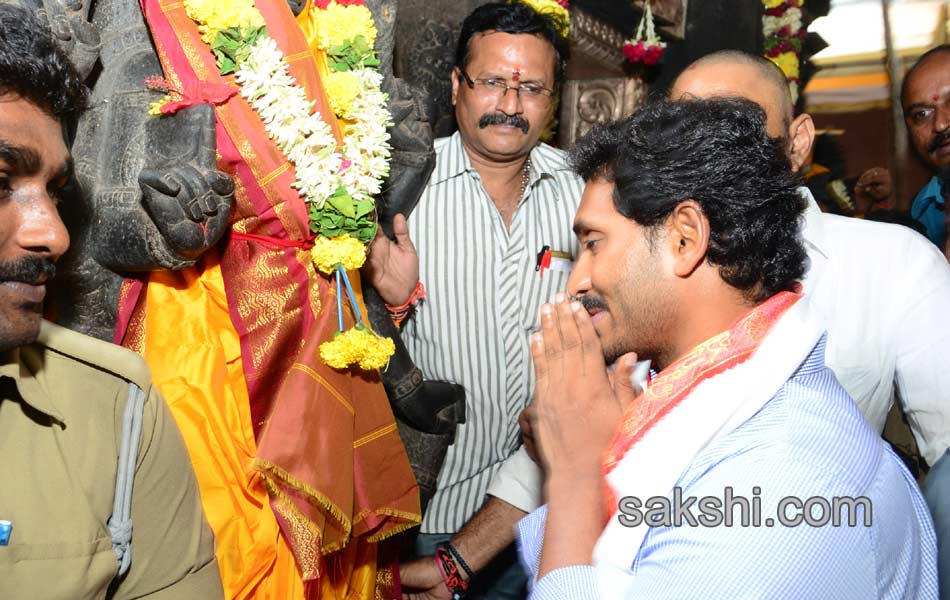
(63,396)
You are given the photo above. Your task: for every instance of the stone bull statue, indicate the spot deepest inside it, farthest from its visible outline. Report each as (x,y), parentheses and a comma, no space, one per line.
(149,196)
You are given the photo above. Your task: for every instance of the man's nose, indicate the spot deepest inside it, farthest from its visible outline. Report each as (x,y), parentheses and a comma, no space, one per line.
(41,230)
(942,119)
(510,103)
(578,283)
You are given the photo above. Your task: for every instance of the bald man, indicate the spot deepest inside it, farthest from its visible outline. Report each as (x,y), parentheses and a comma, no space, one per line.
(883,289)
(925,98)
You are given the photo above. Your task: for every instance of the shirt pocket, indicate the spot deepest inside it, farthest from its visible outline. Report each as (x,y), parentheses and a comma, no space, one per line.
(538,290)
(66,571)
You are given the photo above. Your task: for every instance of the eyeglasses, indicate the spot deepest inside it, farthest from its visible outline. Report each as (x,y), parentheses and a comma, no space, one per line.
(499,88)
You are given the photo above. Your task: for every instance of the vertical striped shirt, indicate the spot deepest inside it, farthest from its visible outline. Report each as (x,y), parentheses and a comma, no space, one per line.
(482,303)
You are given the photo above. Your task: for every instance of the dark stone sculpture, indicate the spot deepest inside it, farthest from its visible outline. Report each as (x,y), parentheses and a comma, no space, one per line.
(149,195)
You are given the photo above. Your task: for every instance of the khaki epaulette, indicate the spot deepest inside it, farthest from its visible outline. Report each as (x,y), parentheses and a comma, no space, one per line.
(114,359)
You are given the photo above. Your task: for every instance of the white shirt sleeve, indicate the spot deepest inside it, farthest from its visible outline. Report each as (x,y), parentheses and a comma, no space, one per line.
(922,346)
(884,292)
(518,482)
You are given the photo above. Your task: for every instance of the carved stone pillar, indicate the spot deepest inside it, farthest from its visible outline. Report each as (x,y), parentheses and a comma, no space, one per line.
(597,89)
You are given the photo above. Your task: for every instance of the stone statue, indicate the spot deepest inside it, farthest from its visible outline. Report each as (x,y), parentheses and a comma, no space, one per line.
(149,195)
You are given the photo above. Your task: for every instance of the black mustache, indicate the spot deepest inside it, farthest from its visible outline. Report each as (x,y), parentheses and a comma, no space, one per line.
(590,302)
(941,139)
(500,118)
(29,269)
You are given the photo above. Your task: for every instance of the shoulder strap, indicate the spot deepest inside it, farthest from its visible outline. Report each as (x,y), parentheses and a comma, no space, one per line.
(120,523)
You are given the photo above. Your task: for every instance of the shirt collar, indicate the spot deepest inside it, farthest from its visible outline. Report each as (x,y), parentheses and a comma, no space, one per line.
(453,160)
(813,224)
(931,193)
(14,364)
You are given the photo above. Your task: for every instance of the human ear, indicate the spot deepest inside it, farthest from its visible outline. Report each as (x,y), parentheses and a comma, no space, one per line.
(687,237)
(456,76)
(801,134)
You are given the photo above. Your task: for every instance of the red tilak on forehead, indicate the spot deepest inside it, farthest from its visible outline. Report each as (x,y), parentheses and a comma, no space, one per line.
(516,74)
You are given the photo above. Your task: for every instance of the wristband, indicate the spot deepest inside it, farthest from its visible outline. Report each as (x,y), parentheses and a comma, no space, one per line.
(458,558)
(450,573)
(399,313)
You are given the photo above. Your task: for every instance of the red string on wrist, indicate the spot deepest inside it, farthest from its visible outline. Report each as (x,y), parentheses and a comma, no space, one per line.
(450,573)
(399,313)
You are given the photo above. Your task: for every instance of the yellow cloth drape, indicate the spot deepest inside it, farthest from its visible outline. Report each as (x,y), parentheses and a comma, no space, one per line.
(195,357)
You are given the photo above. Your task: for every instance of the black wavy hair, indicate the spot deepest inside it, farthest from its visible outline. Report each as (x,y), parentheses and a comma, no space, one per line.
(517,18)
(718,153)
(35,69)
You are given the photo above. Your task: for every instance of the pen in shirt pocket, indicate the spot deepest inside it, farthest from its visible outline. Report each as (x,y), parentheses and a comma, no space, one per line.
(553,260)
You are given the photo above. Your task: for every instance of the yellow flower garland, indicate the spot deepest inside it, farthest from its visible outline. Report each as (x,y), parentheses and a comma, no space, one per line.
(788,62)
(155,108)
(336,25)
(562,18)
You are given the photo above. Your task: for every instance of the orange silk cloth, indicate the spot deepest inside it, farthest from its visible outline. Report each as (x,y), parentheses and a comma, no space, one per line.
(717,354)
(290,454)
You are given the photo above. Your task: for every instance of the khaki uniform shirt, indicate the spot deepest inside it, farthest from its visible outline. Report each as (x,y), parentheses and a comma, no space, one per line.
(61,405)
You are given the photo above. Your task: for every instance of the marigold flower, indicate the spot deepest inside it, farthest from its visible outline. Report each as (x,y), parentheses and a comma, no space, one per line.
(339,23)
(344,250)
(357,345)
(215,15)
(155,108)
(343,90)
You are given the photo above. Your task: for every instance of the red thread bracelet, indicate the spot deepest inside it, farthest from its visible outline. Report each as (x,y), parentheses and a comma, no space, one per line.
(450,573)
(399,313)
(418,293)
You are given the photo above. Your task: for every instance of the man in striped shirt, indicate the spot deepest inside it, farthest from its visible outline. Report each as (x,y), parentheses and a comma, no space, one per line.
(491,240)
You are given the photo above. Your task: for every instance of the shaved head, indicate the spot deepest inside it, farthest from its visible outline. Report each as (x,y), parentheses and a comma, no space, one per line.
(736,74)
(942,51)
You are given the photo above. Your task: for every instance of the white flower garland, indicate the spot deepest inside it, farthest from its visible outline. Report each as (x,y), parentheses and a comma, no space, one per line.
(792,17)
(366,141)
(305,138)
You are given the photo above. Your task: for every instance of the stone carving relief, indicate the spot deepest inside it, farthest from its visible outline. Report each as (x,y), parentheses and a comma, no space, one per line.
(596,38)
(429,59)
(589,102)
